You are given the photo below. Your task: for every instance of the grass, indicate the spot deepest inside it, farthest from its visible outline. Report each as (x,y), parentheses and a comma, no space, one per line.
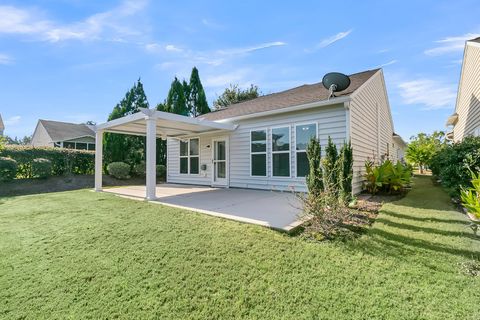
(81,254)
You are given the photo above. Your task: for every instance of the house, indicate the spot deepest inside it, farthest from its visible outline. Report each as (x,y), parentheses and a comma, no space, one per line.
(260,143)
(63,135)
(466,118)
(2,126)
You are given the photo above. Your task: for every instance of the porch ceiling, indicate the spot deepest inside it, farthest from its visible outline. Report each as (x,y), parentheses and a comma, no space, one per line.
(167,124)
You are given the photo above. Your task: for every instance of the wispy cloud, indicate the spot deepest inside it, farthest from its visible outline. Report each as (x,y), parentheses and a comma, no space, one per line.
(332,39)
(108,25)
(5,59)
(450,44)
(12,121)
(235,51)
(389,63)
(211,24)
(432,94)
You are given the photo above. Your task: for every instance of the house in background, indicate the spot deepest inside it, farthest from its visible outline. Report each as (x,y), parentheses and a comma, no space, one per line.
(2,126)
(399,146)
(63,135)
(260,143)
(466,119)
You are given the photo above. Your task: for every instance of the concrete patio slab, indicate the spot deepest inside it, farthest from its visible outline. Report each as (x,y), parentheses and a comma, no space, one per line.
(279,210)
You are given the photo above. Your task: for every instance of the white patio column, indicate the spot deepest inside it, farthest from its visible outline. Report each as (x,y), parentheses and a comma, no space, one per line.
(151,162)
(98,160)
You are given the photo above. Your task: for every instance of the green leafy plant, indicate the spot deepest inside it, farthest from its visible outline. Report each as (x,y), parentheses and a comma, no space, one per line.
(119,170)
(314,178)
(161,171)
(140,169)
(386,177)
(471,196)
(41,168)
(8,169)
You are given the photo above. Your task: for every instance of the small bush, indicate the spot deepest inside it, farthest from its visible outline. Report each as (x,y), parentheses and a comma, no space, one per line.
(119,170)
(471,196)
(140,169)
(8,169)
(161,171)
(41,168)
(387,177)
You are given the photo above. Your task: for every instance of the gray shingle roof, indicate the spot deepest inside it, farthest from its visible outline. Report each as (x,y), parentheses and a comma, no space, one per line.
(293,97)
(61,131)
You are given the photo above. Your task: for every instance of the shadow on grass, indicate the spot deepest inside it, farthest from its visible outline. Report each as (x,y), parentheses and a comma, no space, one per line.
(420,219)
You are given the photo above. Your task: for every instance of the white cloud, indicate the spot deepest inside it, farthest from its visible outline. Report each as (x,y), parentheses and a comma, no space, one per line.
(172,48)
(222,80)
(389,63)
(235,51)
(12,121)
(211,24)
(451,44)
(432,94)
(5,59)
(332,39)
(108,25)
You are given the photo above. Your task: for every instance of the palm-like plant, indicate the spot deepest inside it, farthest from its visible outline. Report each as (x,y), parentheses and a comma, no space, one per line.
(471,196)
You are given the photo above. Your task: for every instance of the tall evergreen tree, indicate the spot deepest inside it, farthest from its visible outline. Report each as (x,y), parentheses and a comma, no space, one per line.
(197,100)
(176,101)
(126,148)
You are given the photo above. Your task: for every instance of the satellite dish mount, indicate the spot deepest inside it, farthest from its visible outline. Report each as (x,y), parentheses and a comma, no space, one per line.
(335,82)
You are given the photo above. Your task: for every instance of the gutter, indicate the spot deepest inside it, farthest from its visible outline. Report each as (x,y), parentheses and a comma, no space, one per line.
(288,109)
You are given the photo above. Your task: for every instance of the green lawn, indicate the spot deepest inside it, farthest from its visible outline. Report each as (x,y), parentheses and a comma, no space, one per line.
(81,254)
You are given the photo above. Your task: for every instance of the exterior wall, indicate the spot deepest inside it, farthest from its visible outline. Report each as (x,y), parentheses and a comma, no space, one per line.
(371,127)
(41,138)
(331,121)
(468,98)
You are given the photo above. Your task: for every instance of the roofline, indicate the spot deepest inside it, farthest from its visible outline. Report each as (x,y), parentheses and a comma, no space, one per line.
(78,137)
(299,107)
(472,43)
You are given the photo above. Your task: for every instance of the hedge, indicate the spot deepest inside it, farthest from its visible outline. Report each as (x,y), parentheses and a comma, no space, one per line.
(8,169)
(63,161)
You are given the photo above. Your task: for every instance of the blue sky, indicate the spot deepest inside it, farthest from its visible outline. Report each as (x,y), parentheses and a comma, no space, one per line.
(73,60)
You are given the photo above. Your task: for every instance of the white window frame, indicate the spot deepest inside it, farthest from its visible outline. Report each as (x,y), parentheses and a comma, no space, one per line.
(289,126)
(263,152)
(295,143)
(188,156)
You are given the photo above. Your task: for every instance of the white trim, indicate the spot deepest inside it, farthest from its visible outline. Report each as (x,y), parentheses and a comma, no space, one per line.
(322,103)
(473,43)
(151,159)
(227,161)
(188,156)
(289,126)
(98,160)
(263,152)
(295,143)
(347,122)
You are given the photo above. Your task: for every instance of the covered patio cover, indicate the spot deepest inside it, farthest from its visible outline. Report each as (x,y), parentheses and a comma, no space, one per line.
(153,124)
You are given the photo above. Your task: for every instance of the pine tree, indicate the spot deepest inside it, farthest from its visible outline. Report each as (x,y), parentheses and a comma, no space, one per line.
(345,165)
(176,101)
(314,178)
(330,170)
(197,100)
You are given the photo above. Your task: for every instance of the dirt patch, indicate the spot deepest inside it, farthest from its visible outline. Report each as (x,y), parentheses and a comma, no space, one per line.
(63,183)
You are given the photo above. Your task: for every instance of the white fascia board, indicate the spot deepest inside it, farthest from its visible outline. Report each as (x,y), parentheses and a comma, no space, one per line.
(289,109)
(118,122)
(195,121)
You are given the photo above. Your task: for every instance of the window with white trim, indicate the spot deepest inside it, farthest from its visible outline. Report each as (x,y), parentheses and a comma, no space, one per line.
(189,156)
(258,153)
(303,134)
(281,152)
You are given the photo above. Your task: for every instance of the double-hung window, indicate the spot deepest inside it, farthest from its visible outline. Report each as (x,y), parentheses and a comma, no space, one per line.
(281,152)
(189,156)
(258,153)
(303,134)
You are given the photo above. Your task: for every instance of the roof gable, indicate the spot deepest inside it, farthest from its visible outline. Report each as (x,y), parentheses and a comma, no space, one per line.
(61,131)
(304,94)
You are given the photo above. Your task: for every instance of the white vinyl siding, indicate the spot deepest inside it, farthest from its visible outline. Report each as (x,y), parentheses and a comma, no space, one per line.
(468,98)
(371,127)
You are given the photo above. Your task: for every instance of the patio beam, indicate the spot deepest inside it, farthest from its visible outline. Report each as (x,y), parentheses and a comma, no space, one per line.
(151,163)
(98,160)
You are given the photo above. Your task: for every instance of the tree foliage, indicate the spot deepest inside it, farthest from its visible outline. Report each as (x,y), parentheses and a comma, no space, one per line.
(25,141)
(176,101)
(126,148)
(423,147)
(196,98)
(234,94)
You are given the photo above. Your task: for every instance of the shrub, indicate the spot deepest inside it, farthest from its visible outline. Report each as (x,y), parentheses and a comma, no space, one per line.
(387,177)
(453,164)
(314,178)
(471,196)
(140,169)
(64,161)
(41,168)
(161,171)
(119,170)
(8,169)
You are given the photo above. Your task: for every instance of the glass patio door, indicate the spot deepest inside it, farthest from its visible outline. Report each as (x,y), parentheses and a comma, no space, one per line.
(220,163)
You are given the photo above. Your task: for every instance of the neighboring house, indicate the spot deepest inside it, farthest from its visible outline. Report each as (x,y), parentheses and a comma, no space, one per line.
(267,149)
(63,135)
(2,126)
(466,119)
(260,143)
(399,146)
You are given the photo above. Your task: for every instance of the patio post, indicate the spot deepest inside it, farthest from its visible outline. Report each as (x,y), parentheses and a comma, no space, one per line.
(98,160)
(151,163)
